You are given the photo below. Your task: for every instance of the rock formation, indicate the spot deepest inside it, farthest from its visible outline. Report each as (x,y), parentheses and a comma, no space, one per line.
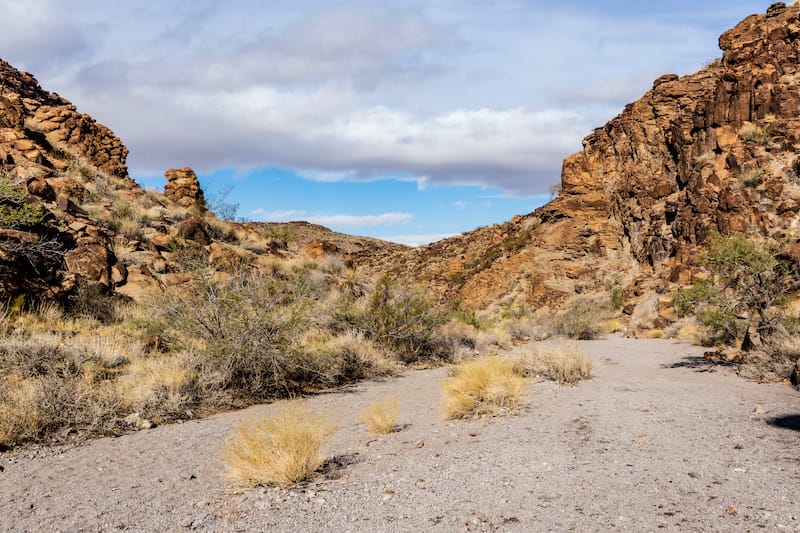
(715,151)
(183,188)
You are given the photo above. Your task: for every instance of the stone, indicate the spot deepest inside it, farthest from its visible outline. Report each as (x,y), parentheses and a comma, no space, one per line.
(194,229)
(90,262)
(135,420)
(183,188)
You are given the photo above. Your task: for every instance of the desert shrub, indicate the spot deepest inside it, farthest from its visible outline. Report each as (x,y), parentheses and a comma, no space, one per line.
(565,364)
(685,299)
(580,320)
(17,211)
(616,294)
(459,335)
(724,324)
(403,321)
(527,328)
(222,232)
(47,384)
(757,134)
(484,386)
(217,202)
(157,387)
(94,300)
(749,279)
(283,449)
(380,418)
(241,330)
(467,316)
(753,177)
(330,359)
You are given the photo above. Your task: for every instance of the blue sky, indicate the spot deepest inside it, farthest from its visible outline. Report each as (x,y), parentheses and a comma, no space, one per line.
(403,119)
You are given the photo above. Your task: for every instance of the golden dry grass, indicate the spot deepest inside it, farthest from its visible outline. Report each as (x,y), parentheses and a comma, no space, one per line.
(565,364)
(380,418)
(283,449)
(153,380)
(19,414)
(483,386)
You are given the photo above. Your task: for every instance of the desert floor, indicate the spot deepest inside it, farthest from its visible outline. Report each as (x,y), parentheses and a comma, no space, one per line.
(658,439)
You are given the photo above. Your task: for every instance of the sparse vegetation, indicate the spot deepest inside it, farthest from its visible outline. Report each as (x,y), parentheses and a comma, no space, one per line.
(17,211)
(218,204)
(282,450)
(565,364)
(580,320)
(757,134)
(380,418)
(753,177)
(747,280)
(484,386)
(404,322)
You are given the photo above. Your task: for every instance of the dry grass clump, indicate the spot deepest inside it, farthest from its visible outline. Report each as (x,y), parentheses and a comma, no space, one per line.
(283,449)
(483,386)
(46,384)
(330,359)
(156,386)
(565,364)
(380,418)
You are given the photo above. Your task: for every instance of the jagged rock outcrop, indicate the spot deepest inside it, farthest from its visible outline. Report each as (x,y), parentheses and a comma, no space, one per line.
(183,188)
(39,129)
(715,151)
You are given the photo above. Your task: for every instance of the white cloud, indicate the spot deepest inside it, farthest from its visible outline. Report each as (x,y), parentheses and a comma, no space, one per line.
(418,240)
(360,221)
(457,92)
(337,220)
(460,204)
(285,215)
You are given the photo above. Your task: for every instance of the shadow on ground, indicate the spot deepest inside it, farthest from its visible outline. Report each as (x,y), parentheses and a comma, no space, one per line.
(700,364)
(791,422)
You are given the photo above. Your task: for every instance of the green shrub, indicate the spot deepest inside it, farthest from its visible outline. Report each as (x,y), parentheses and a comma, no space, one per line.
(686,299)
(581,320)
(240,330)
(403,321)
(723,322)
(17,211)
(467,316)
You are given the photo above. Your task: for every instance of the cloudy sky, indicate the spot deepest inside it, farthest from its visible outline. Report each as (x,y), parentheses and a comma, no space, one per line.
(403,119)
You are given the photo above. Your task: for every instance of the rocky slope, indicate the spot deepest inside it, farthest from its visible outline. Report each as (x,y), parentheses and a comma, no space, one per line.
(715,151)
(95,227)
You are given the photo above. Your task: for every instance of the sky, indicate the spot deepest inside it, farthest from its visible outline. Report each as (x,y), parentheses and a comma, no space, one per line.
(407,120)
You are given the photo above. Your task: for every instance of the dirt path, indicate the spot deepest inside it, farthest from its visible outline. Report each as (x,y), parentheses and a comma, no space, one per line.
(655,440)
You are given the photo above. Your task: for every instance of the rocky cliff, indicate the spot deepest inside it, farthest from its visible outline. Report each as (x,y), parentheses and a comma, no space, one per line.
(715,151)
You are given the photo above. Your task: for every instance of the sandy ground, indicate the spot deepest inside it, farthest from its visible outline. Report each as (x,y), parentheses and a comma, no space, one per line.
(656,440)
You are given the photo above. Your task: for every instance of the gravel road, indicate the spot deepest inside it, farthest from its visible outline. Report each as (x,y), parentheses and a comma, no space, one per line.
(656,440)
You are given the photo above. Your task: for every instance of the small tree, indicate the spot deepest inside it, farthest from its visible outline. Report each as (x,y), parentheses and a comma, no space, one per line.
(749,279)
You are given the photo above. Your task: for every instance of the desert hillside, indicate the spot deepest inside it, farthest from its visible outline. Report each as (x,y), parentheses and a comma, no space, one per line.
(711,152)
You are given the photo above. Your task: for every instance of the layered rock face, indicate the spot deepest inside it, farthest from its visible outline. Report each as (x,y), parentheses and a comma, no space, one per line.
(715,151)
(710,152)
(36,124)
